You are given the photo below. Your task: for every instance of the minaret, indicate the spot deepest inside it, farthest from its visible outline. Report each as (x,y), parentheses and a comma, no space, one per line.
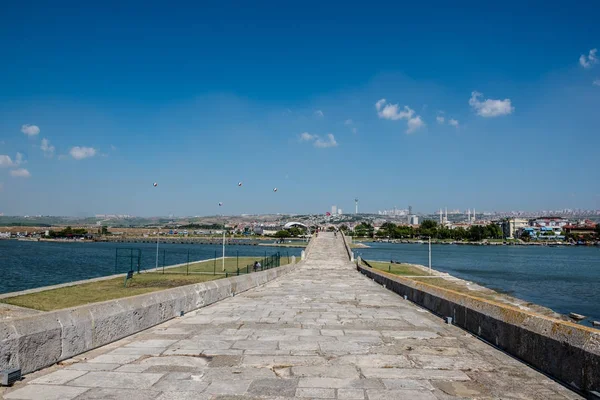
(473,215)
(440,216)
(356,205)
(468,215)
(446,216)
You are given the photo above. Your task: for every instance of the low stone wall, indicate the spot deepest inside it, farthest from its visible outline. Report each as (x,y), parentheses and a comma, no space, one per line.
(38,341)
(565,351)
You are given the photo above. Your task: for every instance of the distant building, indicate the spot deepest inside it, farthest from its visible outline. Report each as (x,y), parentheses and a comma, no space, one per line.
(510,226)
(413,220)
(333,210)
(339,211)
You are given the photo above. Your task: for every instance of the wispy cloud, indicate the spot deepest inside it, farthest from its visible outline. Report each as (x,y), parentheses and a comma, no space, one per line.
(324,143)
(319,113)
(79,153)
(348,122)
(596,82)
(440,120)
(489,107)
(30,130)
(307,137)
(453,122)
(318,141)
(113,147)
(20,173)
(590,60)
(47,148)
(393,112)
(415,124)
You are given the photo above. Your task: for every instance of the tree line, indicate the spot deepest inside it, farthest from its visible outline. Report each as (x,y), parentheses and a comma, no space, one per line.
(428,228)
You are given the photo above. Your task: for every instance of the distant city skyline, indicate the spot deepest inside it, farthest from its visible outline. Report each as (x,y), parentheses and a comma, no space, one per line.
(423,104)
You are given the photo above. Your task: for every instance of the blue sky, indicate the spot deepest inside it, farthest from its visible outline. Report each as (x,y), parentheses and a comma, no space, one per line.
(484,105)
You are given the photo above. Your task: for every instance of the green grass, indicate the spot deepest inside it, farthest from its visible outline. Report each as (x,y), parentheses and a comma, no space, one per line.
(231,265)
(146,282)
(398,269)
(457,287)
(110,289)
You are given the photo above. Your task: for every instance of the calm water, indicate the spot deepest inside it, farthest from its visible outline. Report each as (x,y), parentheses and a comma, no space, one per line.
(26,265)
(565,279)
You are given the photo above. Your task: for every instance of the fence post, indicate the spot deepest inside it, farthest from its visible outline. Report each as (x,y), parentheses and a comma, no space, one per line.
(215,264)
(131,259)
(116,258)
(237,256)
(238,271)
(187,272)
(164,259)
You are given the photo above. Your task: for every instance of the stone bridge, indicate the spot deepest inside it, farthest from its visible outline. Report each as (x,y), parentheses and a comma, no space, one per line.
(323,331)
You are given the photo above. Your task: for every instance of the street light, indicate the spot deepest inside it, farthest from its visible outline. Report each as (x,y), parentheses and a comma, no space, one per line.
(429,255)
(157,235)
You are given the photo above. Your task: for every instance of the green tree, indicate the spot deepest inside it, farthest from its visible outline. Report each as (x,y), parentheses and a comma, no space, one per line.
(282,234)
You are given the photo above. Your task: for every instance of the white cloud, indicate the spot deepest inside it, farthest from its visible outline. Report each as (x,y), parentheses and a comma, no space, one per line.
(348,122)
(596,82)
(307,137)
(590,60)
(489,107)
(319,142)
(30,130)
(113,147)
(392,112)
(415,124)
(329,142)
(440,119)
(5,161)
(47,148)
(354,130)
(20,173)
(319,113)
(453,122)
(79,153)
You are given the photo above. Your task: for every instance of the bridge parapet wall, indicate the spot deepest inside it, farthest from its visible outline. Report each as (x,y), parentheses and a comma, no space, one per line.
(565,351)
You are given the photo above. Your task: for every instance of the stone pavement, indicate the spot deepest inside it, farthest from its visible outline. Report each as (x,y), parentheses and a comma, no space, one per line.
(323,331)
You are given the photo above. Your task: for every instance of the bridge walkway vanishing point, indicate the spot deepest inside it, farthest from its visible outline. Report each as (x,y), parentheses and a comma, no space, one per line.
(323,331)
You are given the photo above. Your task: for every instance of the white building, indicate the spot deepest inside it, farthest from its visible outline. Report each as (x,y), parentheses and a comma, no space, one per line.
(413,220)
(339,211)
(333,210)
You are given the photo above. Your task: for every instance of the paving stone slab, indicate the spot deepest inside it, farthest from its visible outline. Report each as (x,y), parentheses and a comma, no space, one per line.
(124,380)
(45,392)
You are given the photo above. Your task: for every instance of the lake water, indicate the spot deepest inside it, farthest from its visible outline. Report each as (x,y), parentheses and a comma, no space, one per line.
(26,265)
(565,279)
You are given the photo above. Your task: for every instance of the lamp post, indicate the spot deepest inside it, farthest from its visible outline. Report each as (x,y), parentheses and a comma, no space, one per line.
(429,255)
(223,246)
(157,234)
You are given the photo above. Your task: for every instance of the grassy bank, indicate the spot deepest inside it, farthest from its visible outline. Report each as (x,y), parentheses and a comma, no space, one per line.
(146,282)
(398,269)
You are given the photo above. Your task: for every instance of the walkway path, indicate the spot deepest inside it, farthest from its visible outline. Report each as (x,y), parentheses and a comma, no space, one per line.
(323,331)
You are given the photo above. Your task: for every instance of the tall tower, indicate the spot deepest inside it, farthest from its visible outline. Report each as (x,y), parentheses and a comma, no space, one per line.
(441,216)
(473,215)
(409,210)
(468,215)
(356,205)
